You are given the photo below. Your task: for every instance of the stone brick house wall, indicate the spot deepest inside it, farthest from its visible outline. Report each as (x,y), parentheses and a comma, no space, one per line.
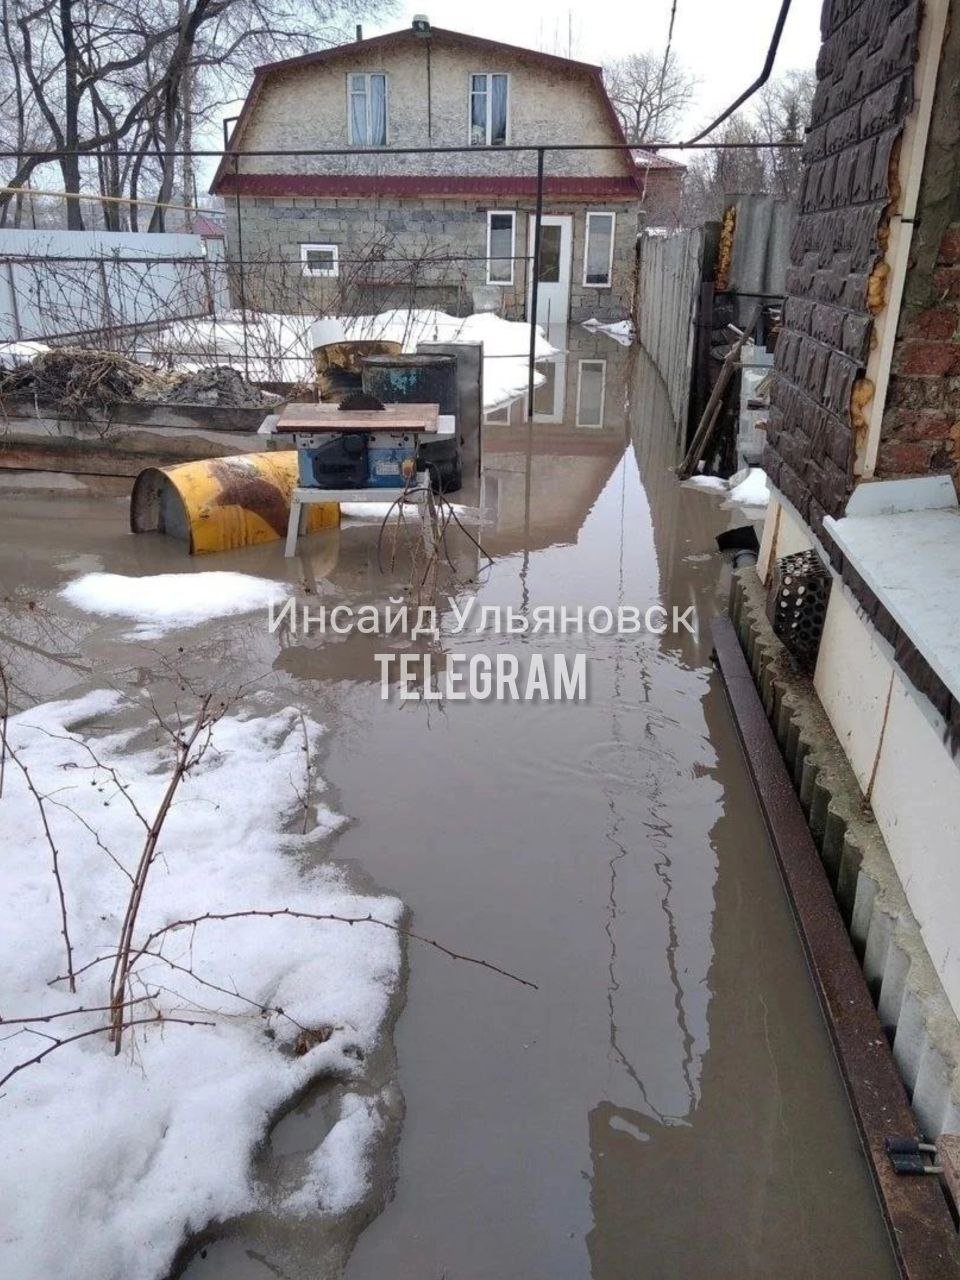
(273,230)
(836,282)
(420,220)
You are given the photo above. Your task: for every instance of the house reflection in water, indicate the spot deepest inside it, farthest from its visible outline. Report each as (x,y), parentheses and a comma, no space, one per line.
(541,479)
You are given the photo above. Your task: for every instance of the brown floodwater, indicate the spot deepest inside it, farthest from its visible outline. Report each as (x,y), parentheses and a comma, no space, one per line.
(666,1104)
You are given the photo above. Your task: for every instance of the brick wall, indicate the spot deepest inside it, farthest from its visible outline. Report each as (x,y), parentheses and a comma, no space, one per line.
(920,430)
(865,74)
(921,423)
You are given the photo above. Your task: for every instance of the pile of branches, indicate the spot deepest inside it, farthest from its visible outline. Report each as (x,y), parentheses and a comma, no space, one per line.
(89,383)
(77,379)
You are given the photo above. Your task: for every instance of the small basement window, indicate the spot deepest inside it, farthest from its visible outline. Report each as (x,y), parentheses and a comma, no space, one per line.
(367,109)
(501,246)
(488,109)
(598,250)
(320,259)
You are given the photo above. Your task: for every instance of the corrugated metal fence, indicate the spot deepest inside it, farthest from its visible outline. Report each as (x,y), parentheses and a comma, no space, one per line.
(59,284)
(668,286)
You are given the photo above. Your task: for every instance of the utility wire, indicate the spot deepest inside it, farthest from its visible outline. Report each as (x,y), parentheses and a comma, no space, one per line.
(757,84)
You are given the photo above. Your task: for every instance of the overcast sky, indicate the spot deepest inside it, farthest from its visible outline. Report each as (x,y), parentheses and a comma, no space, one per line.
(723,42)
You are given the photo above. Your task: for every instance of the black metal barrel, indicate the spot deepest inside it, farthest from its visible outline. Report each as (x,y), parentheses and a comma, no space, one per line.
(412,379)
(422,379)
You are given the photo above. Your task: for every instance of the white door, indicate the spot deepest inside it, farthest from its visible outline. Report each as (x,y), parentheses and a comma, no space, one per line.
(553,290)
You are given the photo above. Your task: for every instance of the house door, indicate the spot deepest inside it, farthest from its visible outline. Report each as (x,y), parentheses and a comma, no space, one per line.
(553,291)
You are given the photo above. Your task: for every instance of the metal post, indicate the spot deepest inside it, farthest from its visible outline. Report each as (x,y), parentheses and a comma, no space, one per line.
(240,280)
(535,284)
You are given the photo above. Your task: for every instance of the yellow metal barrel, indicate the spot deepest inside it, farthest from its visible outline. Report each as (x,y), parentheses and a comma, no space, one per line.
(221,504)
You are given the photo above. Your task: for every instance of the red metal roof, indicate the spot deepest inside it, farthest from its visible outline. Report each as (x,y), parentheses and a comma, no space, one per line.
(321,56)
(336,184)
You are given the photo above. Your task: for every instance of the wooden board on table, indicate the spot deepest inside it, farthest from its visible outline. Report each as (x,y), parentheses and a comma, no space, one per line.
(298,418)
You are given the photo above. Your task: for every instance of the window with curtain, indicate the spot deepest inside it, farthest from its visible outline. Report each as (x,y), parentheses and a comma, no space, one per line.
(500,246)
(598,252)
(488,109)
(367,110)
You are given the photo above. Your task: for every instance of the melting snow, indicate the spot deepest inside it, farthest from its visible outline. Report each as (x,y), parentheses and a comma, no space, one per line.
(121,1157)
(166,601)
(278,347)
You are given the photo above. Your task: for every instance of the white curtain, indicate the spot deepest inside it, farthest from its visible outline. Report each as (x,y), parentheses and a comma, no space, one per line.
(358,111)
(478,111)
(378,111)
(498,120)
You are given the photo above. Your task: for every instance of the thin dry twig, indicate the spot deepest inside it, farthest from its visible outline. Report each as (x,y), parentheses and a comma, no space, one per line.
(55,856)
(69,1013)
(4,718)
(293,914)
(185,743)
(156,1019)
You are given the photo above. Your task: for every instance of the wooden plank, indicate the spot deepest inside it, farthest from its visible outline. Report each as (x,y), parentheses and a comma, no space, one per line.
(915,1209)
(422,418)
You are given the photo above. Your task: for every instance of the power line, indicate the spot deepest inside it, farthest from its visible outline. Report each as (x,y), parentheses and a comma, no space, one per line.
(693,145)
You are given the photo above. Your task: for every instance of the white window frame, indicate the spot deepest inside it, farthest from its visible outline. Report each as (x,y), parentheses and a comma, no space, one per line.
(386,107)
(512,215)
(321,273)
(592,426)
(488,75)
(599,213)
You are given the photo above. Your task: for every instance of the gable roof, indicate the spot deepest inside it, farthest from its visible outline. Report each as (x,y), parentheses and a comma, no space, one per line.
(393,38)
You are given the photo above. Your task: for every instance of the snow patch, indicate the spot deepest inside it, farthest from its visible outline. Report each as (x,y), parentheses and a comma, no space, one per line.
(753,490)
(748,488)
(112,1161)
(338,1172)
(14,354)
(622,331)
(164,602)
(278,348)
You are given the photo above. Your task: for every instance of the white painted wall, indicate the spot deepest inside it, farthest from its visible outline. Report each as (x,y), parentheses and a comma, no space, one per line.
(916,800)
(894,741)
(57,283)
(853,680)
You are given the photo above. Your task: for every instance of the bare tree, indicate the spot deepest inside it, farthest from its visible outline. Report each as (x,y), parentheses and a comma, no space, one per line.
(117,87)
(650,95)
(782,111)
(778,114)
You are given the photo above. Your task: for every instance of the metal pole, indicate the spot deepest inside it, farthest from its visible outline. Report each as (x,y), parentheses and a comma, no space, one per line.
(240,280)
(535,284)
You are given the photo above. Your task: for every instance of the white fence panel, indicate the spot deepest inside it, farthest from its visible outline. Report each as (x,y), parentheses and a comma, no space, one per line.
(61,284)
(669,283)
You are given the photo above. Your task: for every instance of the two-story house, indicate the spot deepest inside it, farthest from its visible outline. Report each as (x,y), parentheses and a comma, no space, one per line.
(364,229)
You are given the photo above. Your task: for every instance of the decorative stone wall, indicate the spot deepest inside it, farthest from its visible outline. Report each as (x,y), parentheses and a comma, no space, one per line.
(836,280)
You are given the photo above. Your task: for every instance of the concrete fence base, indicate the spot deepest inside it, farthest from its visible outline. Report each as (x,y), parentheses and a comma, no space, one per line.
(914,1010)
